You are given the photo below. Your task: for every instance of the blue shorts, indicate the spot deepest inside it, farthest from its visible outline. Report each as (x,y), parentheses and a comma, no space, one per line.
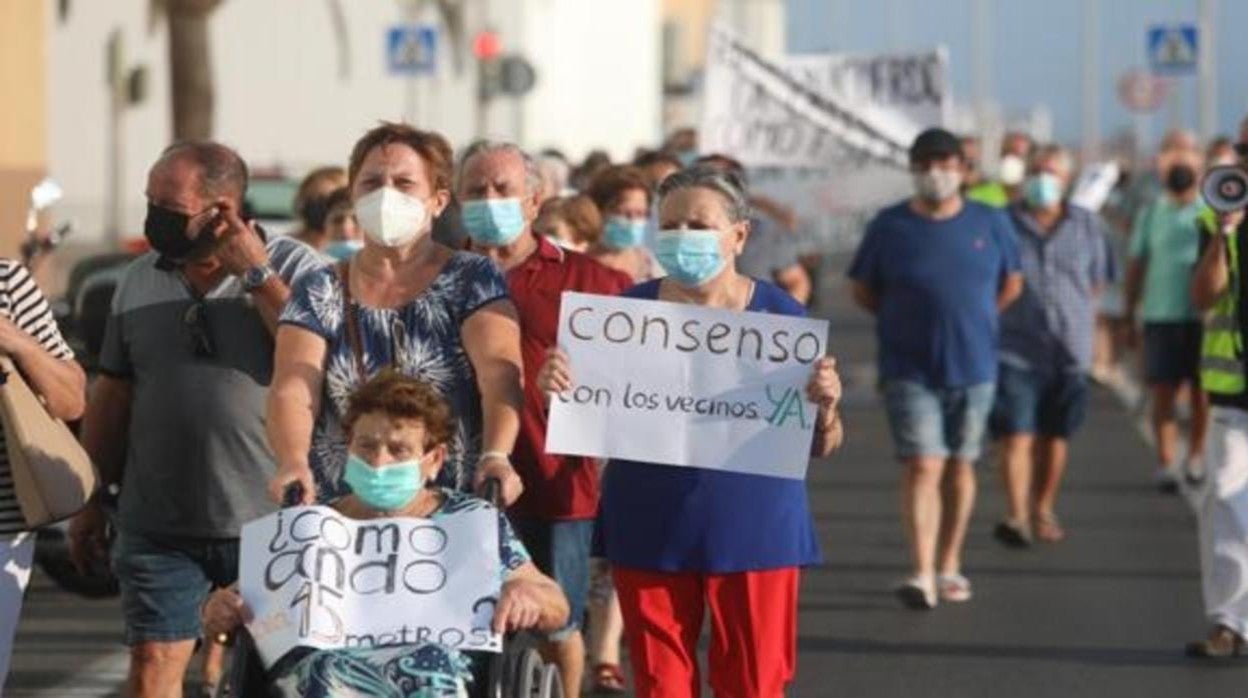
(165,580)
(561,550)
(1172,352)
(1036,402)
(937,422)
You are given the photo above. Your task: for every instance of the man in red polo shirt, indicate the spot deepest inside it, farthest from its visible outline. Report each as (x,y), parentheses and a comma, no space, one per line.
(499,187)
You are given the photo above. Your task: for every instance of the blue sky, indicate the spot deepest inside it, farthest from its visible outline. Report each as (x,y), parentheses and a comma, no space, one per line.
(1037,54)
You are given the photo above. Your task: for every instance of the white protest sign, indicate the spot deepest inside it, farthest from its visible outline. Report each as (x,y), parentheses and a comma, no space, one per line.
(315,578)
(683,385)
(1094,185)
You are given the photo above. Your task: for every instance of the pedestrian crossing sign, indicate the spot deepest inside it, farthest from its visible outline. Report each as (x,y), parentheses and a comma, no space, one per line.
(1172,49)
(411,49)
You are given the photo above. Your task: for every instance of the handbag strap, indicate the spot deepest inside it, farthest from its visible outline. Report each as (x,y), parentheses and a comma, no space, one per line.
(352,321)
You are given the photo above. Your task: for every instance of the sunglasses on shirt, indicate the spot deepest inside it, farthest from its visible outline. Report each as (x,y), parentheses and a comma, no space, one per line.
(195,320)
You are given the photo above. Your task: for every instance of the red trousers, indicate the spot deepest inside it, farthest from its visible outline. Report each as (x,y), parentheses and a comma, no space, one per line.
(753,651)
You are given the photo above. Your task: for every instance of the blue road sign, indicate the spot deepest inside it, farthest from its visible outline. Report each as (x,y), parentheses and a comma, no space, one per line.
(1173,48)
(412,49)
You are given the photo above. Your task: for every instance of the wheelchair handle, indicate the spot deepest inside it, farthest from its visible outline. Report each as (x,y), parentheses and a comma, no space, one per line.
(292,496)
(492,491)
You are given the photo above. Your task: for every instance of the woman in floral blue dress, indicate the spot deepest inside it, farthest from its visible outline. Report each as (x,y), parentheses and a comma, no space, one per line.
(404,302)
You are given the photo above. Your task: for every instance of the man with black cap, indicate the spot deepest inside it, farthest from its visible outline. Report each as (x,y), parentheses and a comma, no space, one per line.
(936,270)
(175,421)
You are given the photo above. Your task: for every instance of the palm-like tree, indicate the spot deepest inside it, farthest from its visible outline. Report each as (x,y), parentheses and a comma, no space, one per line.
(190,58)
(190,66)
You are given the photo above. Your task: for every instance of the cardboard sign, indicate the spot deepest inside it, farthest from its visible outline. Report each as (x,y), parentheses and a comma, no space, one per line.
(315,578)
(688,386)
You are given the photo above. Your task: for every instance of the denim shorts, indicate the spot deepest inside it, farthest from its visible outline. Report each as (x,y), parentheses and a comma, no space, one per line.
(561,550)
(937,422)
(165,580)
(1038,402)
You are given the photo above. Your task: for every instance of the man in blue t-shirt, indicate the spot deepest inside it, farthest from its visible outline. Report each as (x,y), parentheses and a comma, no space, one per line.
(936,270)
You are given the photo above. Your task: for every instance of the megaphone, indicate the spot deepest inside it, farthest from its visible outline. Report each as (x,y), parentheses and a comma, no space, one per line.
(1225,188)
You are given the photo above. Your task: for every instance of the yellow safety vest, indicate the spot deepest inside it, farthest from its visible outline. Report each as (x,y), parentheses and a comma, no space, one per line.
(1222,349)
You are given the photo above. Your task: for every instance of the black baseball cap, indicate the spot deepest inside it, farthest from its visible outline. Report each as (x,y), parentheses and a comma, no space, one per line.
(935,144)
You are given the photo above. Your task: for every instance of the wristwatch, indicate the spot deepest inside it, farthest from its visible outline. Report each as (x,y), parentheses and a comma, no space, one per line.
(257,276)
(108,495)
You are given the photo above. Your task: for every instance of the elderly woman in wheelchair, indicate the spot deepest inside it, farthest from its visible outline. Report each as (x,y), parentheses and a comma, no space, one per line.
(398,428)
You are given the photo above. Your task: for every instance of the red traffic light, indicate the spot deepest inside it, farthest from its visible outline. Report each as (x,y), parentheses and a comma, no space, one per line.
(486,46)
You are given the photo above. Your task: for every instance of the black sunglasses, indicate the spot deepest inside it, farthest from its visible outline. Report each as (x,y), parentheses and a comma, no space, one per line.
(196,322)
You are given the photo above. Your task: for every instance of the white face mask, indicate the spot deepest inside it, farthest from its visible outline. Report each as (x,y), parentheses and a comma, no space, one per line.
(1012,170)
(937,185)
(391,218)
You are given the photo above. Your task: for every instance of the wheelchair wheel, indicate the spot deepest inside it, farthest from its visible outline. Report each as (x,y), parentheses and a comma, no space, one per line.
(529,674)
(552,683)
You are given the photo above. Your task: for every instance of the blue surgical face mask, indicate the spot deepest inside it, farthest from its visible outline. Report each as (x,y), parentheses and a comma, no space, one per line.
(388,487)
(344,249)
(1043,190)
(493,222)
(690,257)
(621,233)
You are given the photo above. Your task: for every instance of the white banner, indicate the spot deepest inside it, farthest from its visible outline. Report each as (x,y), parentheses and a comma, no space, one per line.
(818,110)
(683,385)
(315,578)
(826,135)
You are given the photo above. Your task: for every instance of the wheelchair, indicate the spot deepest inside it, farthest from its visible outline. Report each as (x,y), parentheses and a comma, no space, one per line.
(517,672)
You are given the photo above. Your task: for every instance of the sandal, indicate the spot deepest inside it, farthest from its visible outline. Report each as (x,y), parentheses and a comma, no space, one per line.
(917,593)
(1012,534)
(608,680)
(1222,643)
(1048,528)
(953,588)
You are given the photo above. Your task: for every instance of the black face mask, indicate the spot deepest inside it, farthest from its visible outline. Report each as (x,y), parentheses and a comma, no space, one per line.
(167,229)
(1180,178)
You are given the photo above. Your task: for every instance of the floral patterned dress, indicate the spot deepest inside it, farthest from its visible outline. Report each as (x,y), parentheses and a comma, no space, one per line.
(421,339)
(424,670)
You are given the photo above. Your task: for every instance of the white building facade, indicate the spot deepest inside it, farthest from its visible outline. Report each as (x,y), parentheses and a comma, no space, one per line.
(290,95)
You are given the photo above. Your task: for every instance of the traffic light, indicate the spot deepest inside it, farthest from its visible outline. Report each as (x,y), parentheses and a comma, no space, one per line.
(486,45)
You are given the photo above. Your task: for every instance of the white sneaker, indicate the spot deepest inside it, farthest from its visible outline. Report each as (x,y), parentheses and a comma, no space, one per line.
(1166,480)
(917,593)
(1194,471)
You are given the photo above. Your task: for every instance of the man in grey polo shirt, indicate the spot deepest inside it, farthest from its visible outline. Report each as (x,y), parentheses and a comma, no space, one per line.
(1046,346)
(175,423)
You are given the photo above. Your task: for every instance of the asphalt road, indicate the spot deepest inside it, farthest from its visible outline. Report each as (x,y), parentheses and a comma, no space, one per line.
(1104,614)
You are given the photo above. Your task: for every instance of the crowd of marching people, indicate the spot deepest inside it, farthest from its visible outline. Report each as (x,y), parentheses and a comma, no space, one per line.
(391,357)
(989,297)
(399,350)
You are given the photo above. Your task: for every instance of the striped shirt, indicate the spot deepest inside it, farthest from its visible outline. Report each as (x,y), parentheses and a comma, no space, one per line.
(22,303)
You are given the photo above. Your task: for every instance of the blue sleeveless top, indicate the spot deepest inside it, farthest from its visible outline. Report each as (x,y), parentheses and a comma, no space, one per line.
(675,519)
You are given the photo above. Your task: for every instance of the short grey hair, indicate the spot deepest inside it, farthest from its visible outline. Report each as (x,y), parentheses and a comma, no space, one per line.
(726,184)
(222,172)
(532,175)
(1053,151)
(555,172)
